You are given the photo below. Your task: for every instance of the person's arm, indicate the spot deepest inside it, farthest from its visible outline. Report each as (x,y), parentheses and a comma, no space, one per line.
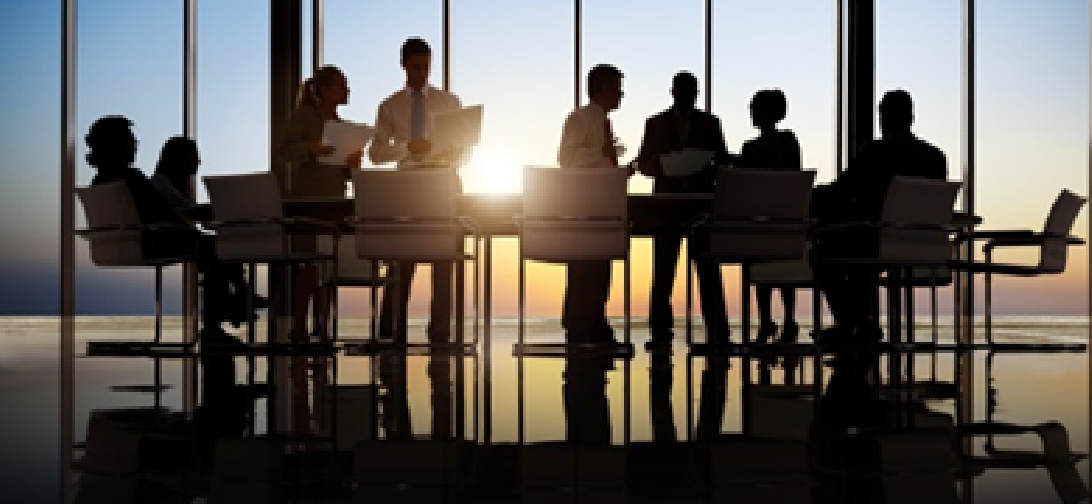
(574,151)
(381,150)
(648,156)
(794,152)
(294,146)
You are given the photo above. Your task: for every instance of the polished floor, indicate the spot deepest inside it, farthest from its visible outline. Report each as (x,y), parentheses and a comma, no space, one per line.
(756,433)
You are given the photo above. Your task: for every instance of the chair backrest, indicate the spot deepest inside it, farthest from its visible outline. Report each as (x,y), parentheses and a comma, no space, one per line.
(408,215)
(917,213)
(760,215)
(352,271)
(111,206)
(1056,229)
(242,202)
(574,214)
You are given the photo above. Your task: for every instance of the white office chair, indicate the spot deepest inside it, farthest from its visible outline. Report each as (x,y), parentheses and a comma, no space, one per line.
(248,217)
(117,238)
(758,216)
(1053,243)
(411,216)
(572,215)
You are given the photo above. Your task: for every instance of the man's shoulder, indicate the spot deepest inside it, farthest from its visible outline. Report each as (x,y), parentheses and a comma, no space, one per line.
(393,97)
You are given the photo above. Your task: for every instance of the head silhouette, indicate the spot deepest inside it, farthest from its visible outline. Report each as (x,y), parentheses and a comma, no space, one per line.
(416,61)
(111,143)
(178,161)
(684,90)
(896,113)
(605,86)
(767,108)
(327,87)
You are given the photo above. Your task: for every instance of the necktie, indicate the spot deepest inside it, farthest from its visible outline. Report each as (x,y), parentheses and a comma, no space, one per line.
(417,115)
(608,143)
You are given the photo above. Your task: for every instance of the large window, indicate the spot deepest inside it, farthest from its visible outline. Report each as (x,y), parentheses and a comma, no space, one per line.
(233,87)
(787,45)
(364,39)
(1032,102)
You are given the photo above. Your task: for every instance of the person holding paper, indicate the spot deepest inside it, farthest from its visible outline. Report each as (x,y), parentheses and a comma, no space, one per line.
(302,173)
(772,149)
(404,125)
(682,126)
(587,141)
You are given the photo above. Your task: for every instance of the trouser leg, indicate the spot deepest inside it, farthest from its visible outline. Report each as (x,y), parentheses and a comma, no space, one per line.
(711,290)
(665,257)
(401,284)
(439,328)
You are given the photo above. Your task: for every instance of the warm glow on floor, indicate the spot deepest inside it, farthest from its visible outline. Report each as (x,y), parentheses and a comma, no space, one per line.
(492,170)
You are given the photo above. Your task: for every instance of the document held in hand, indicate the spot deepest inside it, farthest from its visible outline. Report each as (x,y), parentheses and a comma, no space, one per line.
(685,162)
(457,129)
(345,137)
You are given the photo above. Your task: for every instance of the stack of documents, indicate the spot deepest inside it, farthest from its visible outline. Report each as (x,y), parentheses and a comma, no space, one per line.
(345,137)
(685,162)
(458,129)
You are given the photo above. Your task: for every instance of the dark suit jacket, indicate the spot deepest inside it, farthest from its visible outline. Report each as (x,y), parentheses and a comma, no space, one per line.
(662,137)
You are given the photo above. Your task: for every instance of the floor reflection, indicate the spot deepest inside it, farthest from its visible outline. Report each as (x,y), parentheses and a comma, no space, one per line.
(761,425)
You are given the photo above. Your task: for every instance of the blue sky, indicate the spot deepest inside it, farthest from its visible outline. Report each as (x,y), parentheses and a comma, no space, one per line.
(517,59)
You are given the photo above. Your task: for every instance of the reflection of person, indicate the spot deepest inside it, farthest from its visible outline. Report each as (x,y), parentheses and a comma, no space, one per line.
(302,175)
(679,127)
(659,398)
(858,195)
(772,149)
(587,141)
(584,395)
(713,393)
(403,126)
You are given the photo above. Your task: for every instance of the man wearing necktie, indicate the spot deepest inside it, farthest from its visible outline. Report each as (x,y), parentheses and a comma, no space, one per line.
(587,141)
(402,131)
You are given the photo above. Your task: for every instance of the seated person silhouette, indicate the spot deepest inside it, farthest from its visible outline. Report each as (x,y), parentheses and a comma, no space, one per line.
(174,172)
(772,149)
(858,195)
(681,126)
(111,152)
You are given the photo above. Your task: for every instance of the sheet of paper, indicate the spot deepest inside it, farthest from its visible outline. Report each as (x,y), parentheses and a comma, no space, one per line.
(685,162)
(458,129)
(345,137)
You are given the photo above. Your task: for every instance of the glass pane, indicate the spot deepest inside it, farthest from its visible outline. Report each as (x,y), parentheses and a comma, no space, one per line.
(655,41)
(232,88)
(1032,102)
(788,45)
(518,62)
(918,49)
(364,39)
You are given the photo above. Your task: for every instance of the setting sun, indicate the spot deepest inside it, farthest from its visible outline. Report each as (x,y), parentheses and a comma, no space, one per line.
(492,171)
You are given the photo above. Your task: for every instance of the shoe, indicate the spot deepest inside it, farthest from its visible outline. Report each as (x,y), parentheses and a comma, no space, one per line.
(766,331)
(215,337)
(789,333)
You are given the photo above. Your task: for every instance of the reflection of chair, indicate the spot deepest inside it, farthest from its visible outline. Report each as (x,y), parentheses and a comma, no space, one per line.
(124,447)
(251,227)
(746,469)
(1052,243)
(758,216)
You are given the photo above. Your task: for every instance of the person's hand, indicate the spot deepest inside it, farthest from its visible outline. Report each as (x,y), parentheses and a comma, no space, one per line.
(353,159)
(317,149)
(419,146)
(631,168)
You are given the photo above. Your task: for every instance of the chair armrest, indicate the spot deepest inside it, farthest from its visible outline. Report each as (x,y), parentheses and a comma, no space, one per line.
(158,226)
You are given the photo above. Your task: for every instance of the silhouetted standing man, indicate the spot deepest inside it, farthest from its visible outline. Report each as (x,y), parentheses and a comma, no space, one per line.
(857,195)
(587,141)
(403,126)
(679,127)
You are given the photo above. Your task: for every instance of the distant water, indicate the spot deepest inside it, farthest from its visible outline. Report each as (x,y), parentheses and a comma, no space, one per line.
(1032,389)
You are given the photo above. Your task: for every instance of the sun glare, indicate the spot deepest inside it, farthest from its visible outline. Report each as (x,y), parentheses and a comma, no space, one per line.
(492,171)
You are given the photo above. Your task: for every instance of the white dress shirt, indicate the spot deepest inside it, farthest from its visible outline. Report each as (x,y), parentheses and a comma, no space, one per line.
(393,121)
(582,139)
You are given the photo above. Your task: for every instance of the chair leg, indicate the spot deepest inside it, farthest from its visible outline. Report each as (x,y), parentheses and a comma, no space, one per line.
(519,356)
(689,297)
(934,324)
(626,336)
(158,303)
(988,301)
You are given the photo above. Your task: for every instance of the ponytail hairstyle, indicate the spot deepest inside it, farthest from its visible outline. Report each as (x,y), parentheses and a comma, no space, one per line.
(310,92)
